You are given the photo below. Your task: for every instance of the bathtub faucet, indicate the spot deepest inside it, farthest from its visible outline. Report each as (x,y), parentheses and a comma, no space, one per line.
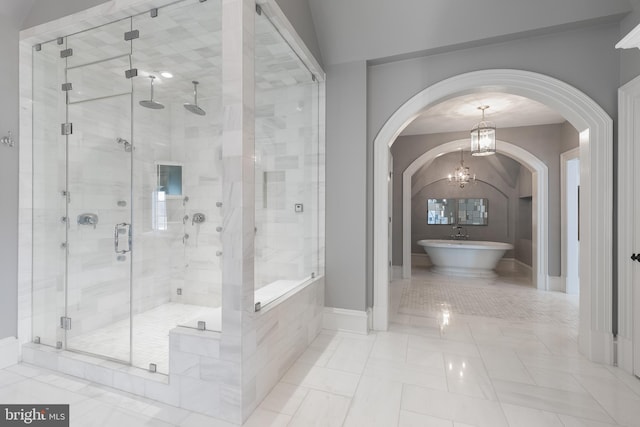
(460,233)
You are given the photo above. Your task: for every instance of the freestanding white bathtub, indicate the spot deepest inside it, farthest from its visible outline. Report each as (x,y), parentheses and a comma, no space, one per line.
(465,257)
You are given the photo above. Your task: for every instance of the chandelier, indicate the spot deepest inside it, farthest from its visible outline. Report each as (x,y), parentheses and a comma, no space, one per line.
(461,175)
(483,136)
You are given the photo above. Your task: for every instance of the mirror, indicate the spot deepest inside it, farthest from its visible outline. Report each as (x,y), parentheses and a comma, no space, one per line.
(169,178)
(440,211)
(473,211)
(458,211)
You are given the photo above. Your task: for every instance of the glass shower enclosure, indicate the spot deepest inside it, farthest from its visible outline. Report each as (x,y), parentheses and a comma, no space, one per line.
(127,184)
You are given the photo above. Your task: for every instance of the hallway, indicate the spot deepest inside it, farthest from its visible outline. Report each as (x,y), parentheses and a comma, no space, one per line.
(521,370)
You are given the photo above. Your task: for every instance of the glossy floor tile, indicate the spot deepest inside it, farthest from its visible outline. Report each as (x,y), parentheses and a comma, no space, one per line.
(452,357)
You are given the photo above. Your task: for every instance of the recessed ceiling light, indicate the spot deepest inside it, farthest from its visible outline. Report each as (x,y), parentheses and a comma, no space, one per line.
(166,74)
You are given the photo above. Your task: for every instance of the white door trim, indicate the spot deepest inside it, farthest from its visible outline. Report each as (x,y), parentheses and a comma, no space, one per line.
(628,232)
(574,153)
(596,178)
(540,217)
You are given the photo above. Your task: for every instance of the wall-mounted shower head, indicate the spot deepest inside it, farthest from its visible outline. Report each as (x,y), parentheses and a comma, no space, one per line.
(150,103)
(194,107)
(126,144)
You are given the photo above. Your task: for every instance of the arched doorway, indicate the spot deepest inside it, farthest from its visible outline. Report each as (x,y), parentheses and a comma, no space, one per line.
(596,177)
(540,180)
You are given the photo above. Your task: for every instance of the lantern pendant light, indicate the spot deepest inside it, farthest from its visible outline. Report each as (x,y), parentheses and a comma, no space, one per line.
(483,136)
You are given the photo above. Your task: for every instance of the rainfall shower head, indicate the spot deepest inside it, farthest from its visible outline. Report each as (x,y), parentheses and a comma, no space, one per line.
(194,107)
(150,103)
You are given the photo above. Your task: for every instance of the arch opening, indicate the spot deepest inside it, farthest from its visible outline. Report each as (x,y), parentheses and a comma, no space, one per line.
(595,128)
(540,215)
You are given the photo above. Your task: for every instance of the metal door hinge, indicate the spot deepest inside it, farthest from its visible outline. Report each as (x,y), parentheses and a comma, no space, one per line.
(133,72)
(38,47)
(66,53)
(65,323)
(60,40)
(258,9)
(154,12)
(66,128)
(131,35)
(66,87)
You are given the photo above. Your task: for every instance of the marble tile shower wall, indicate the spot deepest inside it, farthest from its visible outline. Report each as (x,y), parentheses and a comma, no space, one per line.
(196,143)
(183,255)
(286,174)
(153,248)
(99,178)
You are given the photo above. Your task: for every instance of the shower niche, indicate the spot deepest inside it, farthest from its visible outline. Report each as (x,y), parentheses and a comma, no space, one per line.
(169,179)
(136,183)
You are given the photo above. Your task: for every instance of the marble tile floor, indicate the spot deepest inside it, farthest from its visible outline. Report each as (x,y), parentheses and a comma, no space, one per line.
(458,370)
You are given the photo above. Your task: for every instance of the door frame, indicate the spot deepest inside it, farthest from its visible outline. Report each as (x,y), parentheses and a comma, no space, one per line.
(628,330)
(565,157)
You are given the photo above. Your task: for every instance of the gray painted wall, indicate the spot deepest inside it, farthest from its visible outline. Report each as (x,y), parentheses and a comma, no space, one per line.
(629,58)
(500,189)
(299,15)
(585,59)
(9,179)
(47,10)
(371,29)
(346,183)
(546,142)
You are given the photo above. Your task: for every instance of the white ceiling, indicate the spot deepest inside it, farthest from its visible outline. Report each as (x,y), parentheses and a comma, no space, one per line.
(461,113)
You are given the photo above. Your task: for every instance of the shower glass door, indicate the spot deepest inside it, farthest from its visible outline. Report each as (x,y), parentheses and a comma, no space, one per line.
(98,216)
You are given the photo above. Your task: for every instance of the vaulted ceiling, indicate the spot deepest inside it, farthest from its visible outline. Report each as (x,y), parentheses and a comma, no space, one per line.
(351,30)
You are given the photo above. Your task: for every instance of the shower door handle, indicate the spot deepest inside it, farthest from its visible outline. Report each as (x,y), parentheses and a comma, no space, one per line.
(122,228)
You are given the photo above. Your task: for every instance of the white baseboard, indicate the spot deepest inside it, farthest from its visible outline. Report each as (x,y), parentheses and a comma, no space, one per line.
(624,354)
(9,352)
(557,284)
(340,319)
(598,346)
